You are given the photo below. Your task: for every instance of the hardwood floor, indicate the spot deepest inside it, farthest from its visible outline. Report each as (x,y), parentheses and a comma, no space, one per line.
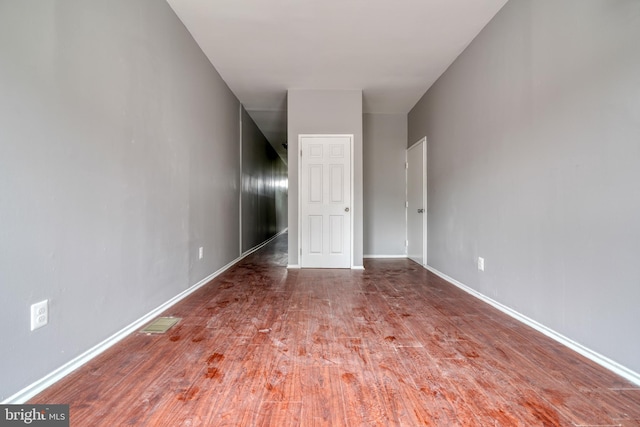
(393,345)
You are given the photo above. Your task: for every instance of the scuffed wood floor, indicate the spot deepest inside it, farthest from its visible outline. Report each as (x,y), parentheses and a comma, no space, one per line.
(393,345)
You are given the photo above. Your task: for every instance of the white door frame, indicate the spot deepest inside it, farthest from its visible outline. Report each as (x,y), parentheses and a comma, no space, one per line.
(324,135)
(424,197)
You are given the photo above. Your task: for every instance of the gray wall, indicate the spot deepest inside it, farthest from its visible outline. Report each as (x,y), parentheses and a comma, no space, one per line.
(263,192)
(324,112)
(534,154)
(384,156)
(119,158)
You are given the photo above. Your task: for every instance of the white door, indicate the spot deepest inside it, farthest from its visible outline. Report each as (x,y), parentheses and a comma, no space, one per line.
(417,202)
(325,201)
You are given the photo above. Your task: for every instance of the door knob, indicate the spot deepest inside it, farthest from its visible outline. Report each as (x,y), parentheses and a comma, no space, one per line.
(420,210)
(346,209)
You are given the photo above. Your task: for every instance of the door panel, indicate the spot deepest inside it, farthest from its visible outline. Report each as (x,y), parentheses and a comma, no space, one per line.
(337,184)
(315,234)
(416,202)
(325,195)
(315,184)
(336,230)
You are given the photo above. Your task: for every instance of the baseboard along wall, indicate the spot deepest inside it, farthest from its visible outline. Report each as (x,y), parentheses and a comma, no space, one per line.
(594,356)
(31,390)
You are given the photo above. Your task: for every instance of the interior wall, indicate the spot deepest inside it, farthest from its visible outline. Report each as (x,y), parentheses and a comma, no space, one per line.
(324,112)
(533,164)
(384,156)
(263,193)
(119,152)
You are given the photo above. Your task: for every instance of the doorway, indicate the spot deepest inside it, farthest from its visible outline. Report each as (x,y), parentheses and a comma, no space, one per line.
(325,235)
(417,202)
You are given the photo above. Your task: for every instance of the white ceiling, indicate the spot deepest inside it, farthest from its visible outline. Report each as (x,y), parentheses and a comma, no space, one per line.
(393,50)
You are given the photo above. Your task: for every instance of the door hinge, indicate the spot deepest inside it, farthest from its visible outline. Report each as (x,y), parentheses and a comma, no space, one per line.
(300,153)
(406,204)
(300,251)
(406,165)
(406,243)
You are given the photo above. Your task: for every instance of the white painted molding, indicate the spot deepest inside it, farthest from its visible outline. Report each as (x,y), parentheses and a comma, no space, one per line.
(385,256)
(241,179)
(263,244)
(598,358)
(51,378)
(423,139)
(297,267)
(425,207)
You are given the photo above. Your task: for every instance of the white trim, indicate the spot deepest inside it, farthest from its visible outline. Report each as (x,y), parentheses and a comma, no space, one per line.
(263,244)
(241,186)
(51,378)
(299,213)
(351,198)
(598,358)
(357,267)
(385,256)
(425,201)
(423,139)
(424,198)
(293,266)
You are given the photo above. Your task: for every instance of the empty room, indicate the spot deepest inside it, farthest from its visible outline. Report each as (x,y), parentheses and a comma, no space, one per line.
(337,213)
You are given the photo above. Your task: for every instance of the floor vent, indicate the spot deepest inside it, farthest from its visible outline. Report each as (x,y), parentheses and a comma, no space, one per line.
(160,325)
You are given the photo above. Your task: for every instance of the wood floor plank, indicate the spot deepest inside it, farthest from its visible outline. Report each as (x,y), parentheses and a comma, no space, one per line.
(321,397)
(285,414)
(393,345)
(431,395)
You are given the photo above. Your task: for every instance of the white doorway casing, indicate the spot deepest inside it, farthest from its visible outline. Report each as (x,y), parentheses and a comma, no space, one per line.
(417,202)
(326,187)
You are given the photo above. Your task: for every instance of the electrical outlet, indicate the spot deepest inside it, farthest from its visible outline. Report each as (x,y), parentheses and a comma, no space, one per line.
(39,314)
(201,253)
(480,263)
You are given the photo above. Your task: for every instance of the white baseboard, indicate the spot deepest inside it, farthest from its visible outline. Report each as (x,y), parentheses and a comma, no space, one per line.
(48,380)
(261,245)
(601,360)
(384,256)
(297,267)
